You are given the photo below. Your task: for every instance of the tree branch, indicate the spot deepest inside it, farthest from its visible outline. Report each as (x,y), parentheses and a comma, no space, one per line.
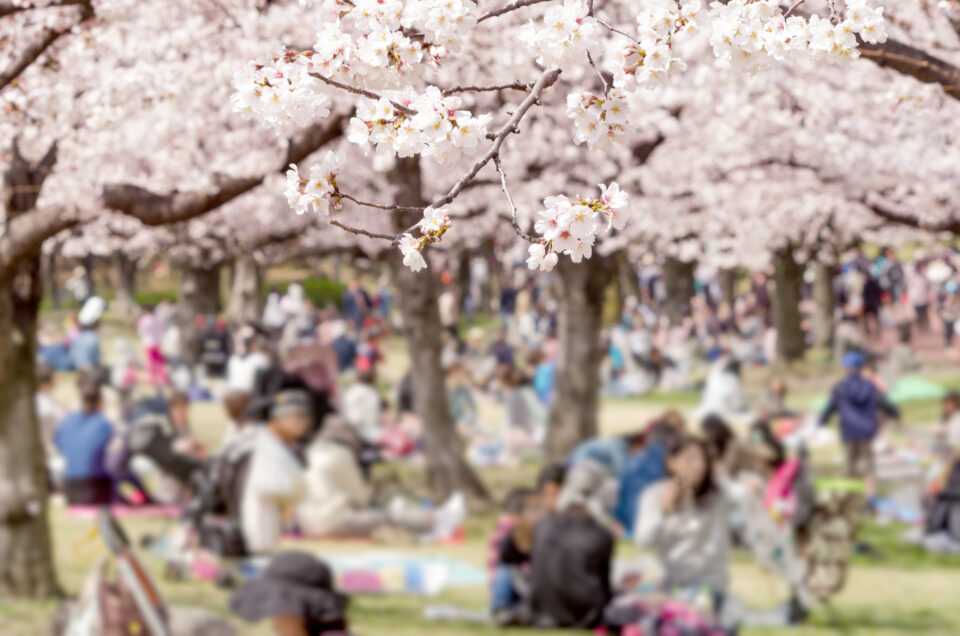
(155,209)
(513,206)
(900,218)
(515,86)
(363,92)
(47,38)
(357,230)
(911,61)
(25,233)
(513,6)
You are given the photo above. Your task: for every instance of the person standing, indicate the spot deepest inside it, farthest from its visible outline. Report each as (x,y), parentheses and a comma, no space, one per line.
(150,330)
(859,404)
(85,349)
(355,303)
(918,291)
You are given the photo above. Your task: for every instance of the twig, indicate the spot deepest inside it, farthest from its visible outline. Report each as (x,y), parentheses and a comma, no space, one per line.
(388,208)
(790,10)
(548,79)
(357,230)
(513,6)
(513,206)
(606,87)
(616,30)
(516,86)
(363,92)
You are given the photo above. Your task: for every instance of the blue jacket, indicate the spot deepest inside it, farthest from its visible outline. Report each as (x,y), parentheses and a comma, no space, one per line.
(609,452)
(858,402)
(639,471)
(85,349)
(82,440)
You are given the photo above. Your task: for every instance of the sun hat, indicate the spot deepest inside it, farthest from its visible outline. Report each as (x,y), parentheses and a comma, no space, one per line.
(295,584)
(92,311)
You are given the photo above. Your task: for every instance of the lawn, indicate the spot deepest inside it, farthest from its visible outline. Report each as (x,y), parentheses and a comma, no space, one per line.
(904,591)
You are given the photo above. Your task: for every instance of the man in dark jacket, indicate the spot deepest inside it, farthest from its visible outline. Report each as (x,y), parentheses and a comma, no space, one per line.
(571,557)
(859,404)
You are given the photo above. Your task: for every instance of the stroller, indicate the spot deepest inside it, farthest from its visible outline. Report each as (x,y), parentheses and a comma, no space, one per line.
(120,599)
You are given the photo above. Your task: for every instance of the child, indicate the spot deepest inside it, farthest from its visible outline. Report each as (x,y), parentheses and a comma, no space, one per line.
(510,547)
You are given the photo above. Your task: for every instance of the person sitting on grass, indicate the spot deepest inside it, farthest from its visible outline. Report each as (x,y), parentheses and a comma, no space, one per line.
(296,594)
(571,557)
(684,519)
(275,479)
(510,548)
(83,438)
(859,404)
(338,498)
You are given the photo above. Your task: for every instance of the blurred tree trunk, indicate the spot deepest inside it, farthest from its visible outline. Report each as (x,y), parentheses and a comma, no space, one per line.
(447,468)
(246,291)
(823,299)
(126,275)
(26,553)
(573,412)
(50,275)
(628,281)
(89,266)
(680,288)
(199,296)
(788,283)
(728,285)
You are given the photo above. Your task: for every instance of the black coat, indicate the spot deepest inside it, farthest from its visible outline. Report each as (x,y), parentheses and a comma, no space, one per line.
(570,577)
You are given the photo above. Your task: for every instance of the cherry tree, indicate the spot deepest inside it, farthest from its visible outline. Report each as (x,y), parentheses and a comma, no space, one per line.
(97,116)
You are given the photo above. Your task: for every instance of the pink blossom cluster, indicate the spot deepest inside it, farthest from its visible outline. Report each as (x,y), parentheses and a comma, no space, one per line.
(433,126)
(433,225)
(319,189)
(599,120)
(571,227)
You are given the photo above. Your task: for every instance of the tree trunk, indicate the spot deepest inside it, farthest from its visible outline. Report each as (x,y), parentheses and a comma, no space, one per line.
(628,281)
(89,265)
(49,274)
(788,283)
(447,469)
(26,553)
(199,296)
(126,275)
(680,289)
(246,292)
(823,299)
(573,412)
(728,285)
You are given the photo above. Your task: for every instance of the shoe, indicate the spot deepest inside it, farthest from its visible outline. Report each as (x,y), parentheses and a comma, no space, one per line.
(448,518)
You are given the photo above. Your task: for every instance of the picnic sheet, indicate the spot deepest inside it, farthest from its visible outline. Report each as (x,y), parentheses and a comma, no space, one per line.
(393,572)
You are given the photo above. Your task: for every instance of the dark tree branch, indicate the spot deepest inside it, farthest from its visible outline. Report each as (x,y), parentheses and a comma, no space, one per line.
(25,233)
(911,61)
(901,218)
(155,209)
(47,38)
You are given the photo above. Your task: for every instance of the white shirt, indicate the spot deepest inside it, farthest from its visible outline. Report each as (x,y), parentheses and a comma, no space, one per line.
(275,480)
(242,371)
